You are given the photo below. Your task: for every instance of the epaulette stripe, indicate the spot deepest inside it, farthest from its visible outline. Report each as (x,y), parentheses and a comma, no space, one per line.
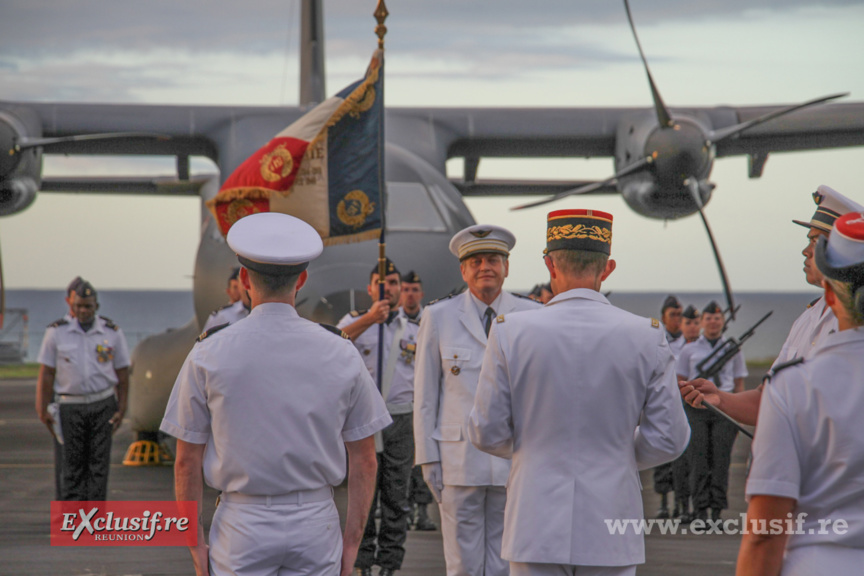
(109,323)
(57,323)
(334,330)
(524,297)
(813,303)
(442,299)
(211,331)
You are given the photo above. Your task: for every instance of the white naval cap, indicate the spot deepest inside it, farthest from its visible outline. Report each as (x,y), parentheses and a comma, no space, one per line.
(274,243)
(841,256)
(482,238)
(830,205)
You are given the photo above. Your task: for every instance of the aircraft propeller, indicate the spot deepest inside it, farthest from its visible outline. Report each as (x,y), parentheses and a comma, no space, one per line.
(676,155)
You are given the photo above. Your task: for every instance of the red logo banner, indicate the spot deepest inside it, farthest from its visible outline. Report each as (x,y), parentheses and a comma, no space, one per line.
(133,523)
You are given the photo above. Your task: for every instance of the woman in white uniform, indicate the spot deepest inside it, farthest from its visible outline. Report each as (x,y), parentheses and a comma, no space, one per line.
(808,457)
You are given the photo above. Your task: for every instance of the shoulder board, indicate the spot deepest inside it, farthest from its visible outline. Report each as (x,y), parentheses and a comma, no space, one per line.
(109,323)
(813,303)
(780,367)
(217,310)
(522,296)
(334,329)
(60,322)
(442,299)
(354,314)
(655,323)
(211,331)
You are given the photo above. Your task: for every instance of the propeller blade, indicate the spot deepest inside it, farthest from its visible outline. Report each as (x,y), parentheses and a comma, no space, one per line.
(47,142)
(663,116)
(694,191)
(726,133)
(2,295)
(636,166)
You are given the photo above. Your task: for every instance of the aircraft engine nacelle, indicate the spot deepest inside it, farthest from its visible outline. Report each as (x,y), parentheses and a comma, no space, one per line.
(679,155)
(16,194)
(645,195)
(20,170)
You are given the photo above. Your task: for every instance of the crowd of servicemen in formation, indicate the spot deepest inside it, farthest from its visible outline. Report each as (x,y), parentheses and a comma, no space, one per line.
(527,419)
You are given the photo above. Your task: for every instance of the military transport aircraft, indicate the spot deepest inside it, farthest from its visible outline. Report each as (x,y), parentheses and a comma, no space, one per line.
(663,158)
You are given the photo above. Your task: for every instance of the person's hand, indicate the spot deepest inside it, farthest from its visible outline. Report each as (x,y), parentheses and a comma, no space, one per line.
(46,419)
(379,312)
(697,391)
(201,559)
(116,420)
(434,478)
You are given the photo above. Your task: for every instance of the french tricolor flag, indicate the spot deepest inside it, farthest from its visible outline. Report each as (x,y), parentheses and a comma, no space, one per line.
(323,168)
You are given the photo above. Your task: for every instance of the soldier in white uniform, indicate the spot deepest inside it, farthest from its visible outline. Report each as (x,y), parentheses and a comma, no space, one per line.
(85,370)
(670,317)
(712,438)
(809,329)
(468,484)
(419,496)
(395,446)
(230,313)
(581,395)
(808,458)
(264,411)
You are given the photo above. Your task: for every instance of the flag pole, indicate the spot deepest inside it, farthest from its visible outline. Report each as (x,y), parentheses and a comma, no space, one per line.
(381,14)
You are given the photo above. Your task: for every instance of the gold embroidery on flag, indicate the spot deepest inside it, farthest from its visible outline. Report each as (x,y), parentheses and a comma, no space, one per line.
(277,164)
(354,208)
(239,209)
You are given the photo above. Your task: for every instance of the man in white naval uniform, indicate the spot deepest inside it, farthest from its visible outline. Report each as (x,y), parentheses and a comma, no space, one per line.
(268,407)
(85,371)
(809,329)
(581,395)
(670,317)
(468,484)
(230,313)
(385,545)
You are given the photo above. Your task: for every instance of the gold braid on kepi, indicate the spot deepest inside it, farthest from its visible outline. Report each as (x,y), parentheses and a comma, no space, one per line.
(589,230)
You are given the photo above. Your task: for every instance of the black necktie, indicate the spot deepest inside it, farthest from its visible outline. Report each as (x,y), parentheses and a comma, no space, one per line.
(489,314)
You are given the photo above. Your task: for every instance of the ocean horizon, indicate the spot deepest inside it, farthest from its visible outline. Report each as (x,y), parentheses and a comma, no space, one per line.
(142,313)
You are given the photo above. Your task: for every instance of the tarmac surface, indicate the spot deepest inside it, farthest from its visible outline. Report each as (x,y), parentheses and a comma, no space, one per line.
(27,482)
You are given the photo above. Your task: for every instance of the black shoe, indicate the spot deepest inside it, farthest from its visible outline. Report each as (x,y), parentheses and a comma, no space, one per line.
(686,518)
(662,513)
(701,514)
(363,571)
(716,514)
(386,572)
(424,523)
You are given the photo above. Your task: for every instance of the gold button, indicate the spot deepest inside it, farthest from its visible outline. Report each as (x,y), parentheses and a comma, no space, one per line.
(455,370)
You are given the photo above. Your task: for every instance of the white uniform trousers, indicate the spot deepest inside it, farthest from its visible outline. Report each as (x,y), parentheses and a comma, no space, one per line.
(276,540)
(535,569)
(472,525)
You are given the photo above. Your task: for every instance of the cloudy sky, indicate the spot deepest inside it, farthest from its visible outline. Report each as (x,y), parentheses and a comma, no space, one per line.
(440,53)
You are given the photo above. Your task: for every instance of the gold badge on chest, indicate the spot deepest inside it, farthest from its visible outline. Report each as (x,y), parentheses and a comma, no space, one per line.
(455,370)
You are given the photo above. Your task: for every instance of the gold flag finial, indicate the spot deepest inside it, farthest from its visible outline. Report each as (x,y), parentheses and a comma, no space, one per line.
(381,14)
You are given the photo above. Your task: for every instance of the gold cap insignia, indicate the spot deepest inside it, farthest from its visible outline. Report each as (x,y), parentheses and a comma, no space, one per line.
(818,197)
(480,233)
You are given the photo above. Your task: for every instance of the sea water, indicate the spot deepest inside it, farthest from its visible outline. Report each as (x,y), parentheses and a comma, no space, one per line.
(143,313)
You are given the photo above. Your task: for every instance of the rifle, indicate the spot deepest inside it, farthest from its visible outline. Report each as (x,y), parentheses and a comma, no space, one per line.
(718,358)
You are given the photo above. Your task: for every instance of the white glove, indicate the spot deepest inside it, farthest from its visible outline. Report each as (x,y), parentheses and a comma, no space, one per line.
(434,478)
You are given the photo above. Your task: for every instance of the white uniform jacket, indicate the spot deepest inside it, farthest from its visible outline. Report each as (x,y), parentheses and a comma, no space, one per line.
(583,395)
(808,331)
(228,314)
(450,349)
(808,447)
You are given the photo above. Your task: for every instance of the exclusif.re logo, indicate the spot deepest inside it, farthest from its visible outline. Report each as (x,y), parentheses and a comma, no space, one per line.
(133,523)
